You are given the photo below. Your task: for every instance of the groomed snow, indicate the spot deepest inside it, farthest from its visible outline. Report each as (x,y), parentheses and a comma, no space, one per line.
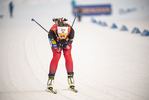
(109,64)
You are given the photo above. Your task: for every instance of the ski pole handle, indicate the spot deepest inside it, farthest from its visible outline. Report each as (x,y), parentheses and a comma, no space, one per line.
(39,24)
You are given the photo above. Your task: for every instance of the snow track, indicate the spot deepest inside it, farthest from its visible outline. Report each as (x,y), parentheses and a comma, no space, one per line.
(108,64)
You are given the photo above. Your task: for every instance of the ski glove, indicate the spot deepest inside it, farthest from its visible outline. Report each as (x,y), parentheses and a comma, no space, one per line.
(62,43)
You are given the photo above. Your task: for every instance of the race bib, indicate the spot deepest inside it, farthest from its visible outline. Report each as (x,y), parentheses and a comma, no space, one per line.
(62,32)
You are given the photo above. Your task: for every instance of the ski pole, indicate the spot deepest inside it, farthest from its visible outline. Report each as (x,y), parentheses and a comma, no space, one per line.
(74,20)
(42,28)
(39,24)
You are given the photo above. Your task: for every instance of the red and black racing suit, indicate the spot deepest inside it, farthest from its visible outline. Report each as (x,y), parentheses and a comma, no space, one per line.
(66,50)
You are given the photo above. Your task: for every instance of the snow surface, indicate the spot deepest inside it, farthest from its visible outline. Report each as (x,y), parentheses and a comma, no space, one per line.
(109,64)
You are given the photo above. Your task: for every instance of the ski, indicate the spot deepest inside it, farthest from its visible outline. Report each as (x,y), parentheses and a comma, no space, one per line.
(51,91)
(74,90)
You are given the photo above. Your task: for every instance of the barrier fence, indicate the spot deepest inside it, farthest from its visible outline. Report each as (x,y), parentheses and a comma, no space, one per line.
(123,28)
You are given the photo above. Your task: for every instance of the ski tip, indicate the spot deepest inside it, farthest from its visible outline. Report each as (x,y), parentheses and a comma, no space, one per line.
(74,90)
(51,91)
(32,19)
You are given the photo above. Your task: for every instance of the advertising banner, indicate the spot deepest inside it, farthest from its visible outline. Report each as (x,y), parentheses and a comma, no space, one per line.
(87,10)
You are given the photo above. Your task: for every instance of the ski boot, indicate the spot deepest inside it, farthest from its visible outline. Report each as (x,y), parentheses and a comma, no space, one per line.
(50,84)
(71,82)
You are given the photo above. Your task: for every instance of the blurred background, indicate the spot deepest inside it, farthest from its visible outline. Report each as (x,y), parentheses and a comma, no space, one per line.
(118,9)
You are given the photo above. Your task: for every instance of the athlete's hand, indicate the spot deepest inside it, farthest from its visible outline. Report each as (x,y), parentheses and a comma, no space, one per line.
(65,43)
(62,43)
